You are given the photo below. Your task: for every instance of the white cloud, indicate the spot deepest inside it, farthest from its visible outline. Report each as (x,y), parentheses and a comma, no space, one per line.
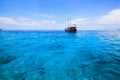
(7,21)
(78,21)
(27,22)
(112,18)
(21,21)
(48,22)
(24,18)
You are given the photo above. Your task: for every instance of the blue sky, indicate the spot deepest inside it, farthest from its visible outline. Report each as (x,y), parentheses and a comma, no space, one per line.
(53,14)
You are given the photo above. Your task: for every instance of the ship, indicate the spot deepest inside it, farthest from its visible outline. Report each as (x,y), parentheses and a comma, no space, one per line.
(71,28)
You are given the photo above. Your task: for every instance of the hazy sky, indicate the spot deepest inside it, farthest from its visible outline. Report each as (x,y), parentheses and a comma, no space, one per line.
(53,14)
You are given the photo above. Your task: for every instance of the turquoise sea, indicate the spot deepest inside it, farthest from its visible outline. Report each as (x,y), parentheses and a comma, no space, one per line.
(57,55)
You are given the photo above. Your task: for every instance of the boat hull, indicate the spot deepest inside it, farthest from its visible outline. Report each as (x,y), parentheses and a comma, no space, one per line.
(71,29)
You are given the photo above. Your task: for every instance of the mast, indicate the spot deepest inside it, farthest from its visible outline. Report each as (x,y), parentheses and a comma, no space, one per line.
(70,22)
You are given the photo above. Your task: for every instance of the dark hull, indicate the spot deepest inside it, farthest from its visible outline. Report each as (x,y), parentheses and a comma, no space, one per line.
(71,29)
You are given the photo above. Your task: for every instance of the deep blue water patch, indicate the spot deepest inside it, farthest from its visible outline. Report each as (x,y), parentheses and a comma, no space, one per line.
(56,55)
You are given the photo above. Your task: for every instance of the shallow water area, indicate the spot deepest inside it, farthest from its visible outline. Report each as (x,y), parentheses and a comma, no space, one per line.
(56,55)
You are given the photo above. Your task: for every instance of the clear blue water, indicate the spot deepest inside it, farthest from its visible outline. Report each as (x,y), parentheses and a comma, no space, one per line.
(56,55)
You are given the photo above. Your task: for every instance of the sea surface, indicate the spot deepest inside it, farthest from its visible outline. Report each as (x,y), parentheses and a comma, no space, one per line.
(57,55)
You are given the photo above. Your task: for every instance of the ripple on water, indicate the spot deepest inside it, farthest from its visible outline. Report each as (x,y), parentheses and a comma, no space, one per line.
(55,55)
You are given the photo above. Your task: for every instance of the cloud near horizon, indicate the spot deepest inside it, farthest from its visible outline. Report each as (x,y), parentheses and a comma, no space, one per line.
(78,21)
(7,21)
(29,23)
(112,17)
(21,21)
(104,22)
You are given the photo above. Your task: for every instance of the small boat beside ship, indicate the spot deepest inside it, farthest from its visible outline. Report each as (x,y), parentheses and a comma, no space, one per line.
(71,28)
